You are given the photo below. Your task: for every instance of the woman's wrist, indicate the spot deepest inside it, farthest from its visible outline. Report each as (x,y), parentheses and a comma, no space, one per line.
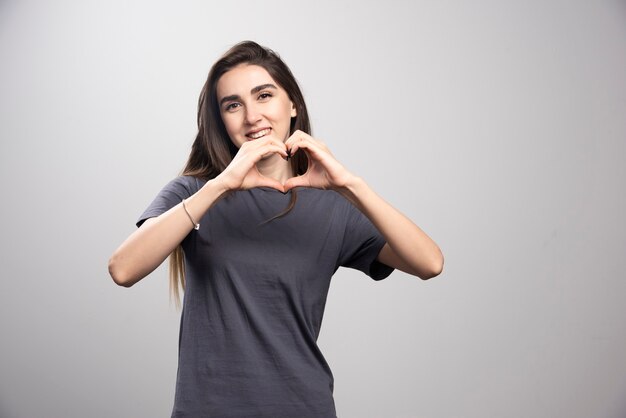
(201,201)
(218,185)
(352,188)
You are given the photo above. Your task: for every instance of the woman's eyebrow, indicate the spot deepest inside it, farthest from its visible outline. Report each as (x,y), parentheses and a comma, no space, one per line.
(263,87)
(254,90)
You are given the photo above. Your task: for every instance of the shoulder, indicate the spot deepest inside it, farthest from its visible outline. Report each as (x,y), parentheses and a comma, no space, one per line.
(186,184)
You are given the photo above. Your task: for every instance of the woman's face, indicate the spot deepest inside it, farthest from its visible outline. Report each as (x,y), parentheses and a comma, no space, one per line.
(253,105)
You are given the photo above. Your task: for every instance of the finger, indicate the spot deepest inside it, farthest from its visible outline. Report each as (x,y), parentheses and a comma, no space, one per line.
(295,182)
(268,182)
(315,149)
(253,146)
(295,143)
(276,146)
(267,141)
(261,151)
(256,179)
(297,136)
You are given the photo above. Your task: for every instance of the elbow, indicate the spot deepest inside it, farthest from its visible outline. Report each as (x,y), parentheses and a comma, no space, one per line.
(435,270)
(119,276)
(431,274)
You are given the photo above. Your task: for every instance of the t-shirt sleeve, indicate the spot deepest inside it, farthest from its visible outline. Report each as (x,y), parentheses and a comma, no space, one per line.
(361,245)
(172,194)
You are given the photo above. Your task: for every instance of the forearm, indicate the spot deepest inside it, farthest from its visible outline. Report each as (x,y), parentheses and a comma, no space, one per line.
(417,251)
(147,247)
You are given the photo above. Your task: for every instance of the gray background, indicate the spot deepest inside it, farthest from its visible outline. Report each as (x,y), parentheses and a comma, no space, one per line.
(497,126)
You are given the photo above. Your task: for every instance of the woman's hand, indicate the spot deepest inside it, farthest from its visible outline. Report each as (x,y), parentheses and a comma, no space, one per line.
(324,171)
(242,173)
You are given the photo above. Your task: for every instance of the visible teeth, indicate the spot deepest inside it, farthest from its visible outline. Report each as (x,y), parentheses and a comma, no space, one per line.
(259,134)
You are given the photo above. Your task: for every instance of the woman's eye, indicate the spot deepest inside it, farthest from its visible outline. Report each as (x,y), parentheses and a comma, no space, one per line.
(264,95)
(232,106)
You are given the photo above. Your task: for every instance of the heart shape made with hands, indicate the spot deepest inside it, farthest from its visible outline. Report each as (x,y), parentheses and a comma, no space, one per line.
(323,170)
(290,183)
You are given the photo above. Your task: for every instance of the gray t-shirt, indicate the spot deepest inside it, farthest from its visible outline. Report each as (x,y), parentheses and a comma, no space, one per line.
(255,296)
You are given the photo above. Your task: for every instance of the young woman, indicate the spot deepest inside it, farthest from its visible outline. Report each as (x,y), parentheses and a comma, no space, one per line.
(256,226)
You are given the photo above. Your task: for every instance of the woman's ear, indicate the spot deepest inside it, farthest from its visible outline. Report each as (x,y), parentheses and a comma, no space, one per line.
(294,112)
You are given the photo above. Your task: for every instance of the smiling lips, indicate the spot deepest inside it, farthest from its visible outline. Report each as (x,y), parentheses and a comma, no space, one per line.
(258,134)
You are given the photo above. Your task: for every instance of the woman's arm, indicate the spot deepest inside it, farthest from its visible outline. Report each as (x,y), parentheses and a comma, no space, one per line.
(147,247)
(408,248)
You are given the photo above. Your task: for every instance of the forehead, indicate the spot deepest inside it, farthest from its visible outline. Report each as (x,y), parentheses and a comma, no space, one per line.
(242,78)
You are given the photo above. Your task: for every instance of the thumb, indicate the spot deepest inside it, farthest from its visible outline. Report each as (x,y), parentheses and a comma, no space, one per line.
(268,182)
(295,182)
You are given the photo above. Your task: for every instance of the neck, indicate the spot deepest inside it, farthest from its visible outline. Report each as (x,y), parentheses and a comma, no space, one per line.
(275,167)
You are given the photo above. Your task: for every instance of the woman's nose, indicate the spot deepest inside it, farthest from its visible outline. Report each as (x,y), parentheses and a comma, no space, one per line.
(252,115)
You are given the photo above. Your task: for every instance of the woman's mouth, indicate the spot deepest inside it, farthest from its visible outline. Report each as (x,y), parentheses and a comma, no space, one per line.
(259,134)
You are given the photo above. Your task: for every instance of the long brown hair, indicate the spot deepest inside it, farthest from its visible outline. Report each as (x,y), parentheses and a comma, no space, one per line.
(213,149)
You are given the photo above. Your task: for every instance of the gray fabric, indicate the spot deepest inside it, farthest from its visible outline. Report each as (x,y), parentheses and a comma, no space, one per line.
(255,297)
